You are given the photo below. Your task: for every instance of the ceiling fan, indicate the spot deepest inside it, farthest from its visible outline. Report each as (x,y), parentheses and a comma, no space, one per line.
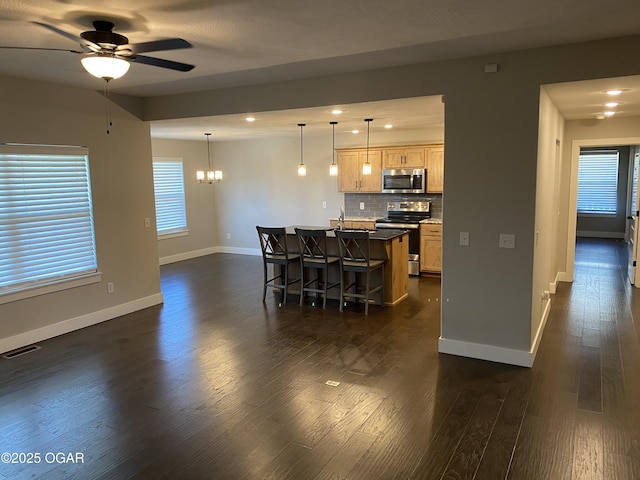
(107,54)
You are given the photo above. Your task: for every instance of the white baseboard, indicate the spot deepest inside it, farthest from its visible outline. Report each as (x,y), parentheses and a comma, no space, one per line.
(596,234)
(66,326)
(553,286)
(209,251)
(564,277)
(240,251)
(187,255)
(543,323)
(492,353)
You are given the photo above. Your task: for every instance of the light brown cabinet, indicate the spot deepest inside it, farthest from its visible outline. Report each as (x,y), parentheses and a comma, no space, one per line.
(350,177)
(403,157)
(435,168)
(431,247)
(368,224)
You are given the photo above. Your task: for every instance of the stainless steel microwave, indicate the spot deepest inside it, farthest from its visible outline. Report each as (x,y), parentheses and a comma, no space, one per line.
(404,180)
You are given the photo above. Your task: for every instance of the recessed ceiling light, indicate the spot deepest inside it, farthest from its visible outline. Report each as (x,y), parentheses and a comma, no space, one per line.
(614,92)
(355,131)
(609,113)
(388,126)
(250,119)
(611,104)
(337,111)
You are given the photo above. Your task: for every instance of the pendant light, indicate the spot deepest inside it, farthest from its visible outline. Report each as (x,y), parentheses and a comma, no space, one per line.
(333,169)
(366,168)
(210,176)
(302,169)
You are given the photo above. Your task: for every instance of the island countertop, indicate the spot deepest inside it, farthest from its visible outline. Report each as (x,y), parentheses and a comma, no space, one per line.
(382,234)
(391,245)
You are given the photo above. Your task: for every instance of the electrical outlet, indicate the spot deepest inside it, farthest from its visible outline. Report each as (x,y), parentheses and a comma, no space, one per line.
(147,222)
(228,236)
(110,287)
(361,205)
(507,240)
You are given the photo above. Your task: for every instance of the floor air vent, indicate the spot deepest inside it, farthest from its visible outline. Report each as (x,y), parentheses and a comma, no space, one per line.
(21,351)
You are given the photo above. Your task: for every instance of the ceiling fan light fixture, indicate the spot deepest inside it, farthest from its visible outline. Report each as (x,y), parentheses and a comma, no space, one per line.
(105,67)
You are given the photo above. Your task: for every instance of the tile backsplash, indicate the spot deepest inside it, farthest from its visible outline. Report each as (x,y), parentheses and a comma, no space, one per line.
(375,204)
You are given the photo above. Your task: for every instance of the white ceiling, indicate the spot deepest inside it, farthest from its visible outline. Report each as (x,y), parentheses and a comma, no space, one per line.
(256,41)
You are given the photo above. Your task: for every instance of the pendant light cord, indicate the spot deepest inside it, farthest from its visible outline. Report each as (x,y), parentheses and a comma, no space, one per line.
(208,152)
(333,142)
(301,149)
(368,120)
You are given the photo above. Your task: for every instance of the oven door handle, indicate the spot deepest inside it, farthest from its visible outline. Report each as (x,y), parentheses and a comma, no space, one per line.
(399,226)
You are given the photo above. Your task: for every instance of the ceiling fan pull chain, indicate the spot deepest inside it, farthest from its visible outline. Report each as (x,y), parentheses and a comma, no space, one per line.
(107,106)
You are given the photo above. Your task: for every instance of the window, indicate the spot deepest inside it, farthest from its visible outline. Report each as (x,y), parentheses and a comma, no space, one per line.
(598,182)
(46,218)
(168,183)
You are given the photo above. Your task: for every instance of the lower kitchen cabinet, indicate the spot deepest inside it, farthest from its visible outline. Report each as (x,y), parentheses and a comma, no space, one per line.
(431,248)
(368,224)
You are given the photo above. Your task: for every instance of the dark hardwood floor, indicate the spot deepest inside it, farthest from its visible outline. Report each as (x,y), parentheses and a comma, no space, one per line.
(216,385)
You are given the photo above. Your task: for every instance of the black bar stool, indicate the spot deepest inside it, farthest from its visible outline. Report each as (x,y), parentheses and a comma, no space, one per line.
(312,245)
(355,257)
(273,243)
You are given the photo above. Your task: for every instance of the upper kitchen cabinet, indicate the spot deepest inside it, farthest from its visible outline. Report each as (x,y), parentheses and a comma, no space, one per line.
(403,157)
(350,177)
(435,168)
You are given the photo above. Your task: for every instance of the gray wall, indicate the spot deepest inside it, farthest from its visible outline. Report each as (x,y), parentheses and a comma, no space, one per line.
(261,186)
(200,200)
(122,187)
(491,159)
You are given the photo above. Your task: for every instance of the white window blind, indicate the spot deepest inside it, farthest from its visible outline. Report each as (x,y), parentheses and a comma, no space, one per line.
(46,218)
(598,182)
(168,182)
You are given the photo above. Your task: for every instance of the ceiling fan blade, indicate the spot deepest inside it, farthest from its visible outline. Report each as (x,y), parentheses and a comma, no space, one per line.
(159,62)
(157,45)
(90,45)
(40,48)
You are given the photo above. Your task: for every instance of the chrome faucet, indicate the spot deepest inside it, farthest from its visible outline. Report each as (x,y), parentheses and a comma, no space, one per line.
(341,219)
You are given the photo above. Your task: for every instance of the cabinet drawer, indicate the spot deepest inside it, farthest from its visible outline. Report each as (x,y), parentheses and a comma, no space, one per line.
(431,229)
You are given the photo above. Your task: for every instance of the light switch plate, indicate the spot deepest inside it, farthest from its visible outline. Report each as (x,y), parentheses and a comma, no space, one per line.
(507,240)
(464,239)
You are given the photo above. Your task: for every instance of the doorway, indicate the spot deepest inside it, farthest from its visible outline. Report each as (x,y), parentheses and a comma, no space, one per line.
(572,228)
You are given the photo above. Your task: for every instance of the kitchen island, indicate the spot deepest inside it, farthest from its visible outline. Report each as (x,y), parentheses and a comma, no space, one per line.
(389,244)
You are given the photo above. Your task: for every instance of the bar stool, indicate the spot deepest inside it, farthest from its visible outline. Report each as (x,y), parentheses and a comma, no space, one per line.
(273,243)
(312,245)
(355,257)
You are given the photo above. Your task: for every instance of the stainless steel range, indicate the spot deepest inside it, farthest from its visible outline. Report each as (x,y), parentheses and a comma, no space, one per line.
(407,215)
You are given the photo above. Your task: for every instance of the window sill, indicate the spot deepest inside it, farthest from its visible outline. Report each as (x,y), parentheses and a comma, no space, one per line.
(597,215)
(166,236)
(51,287)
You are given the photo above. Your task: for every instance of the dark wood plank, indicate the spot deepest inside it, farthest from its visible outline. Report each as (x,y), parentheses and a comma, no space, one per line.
(214,384)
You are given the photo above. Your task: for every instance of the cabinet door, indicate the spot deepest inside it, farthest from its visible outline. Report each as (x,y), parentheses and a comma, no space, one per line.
(348,172)
(368,224)
(414,158)
(431,254)
(373,182)
(393,158)
(435,169)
